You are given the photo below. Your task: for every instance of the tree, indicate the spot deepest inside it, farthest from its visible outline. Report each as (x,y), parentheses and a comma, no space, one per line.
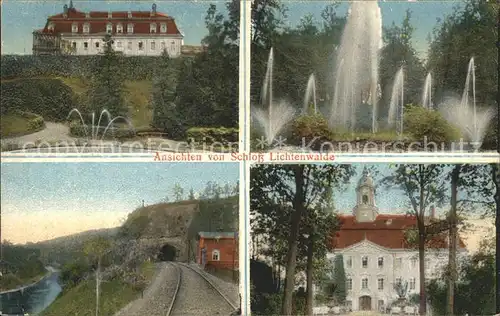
(191,196)
(178,192)
(339,279)
(163,97)
(95,249)
(424,186)
(283,194)
(107,82)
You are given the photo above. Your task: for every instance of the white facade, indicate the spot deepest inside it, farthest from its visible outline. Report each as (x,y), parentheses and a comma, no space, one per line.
(128,45)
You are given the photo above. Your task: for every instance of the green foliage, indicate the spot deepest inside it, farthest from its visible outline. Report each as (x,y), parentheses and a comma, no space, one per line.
(340,280)
(475,290)
(107,83)
(308,127)
(21,265)
(215,214)
(227,138)
(50,98)
(420,122)
(73,273)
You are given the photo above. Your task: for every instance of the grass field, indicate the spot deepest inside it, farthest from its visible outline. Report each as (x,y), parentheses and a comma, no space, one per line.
(14,125)
(81,300)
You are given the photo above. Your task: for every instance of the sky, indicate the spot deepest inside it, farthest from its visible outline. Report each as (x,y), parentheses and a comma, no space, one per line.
(41,201)
(20,18)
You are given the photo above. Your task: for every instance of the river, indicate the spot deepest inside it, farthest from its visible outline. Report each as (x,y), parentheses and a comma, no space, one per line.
(33,299)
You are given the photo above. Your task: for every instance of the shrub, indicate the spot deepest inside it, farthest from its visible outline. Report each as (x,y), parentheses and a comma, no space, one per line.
(306,128)
(225,137)
(50,98)
(35,122)
(420,122)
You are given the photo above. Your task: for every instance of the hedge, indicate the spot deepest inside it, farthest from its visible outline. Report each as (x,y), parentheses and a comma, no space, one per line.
(420,122)
(50,98)
(306,128)
(223,136)
(34,123)
(79,130)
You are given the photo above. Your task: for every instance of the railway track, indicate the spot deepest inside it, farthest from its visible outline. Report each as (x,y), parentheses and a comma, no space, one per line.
(192,297)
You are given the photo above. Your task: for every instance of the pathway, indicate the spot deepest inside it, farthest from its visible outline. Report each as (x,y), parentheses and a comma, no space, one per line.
(53,132)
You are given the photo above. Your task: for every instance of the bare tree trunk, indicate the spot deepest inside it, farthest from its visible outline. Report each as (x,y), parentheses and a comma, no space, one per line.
(452,255)
(291,260)
(496,180)
(309,275)
(97,286)
(421,245)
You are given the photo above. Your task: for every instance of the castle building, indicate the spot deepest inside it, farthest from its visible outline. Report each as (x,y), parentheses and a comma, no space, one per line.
(376,253)
(134,33)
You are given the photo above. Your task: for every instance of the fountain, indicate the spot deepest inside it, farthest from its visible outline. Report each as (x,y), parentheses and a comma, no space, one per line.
(459,112)
(396,106)
(310,91)
(95,128)
(427,96)
(358,62)
(274,119)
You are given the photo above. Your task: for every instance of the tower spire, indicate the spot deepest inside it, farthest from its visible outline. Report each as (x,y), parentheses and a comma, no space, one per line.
(71,4)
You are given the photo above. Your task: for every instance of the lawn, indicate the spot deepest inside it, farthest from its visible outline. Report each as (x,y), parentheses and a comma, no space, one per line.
(14,125)
(114,295)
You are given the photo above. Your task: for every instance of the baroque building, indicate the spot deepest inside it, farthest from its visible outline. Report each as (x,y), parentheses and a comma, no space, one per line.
(377,255)
(134,33)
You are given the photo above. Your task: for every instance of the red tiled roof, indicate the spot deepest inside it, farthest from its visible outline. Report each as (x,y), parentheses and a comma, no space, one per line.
(99,19)
(386,231)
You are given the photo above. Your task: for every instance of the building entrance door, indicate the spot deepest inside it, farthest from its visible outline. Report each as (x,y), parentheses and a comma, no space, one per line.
(365,303)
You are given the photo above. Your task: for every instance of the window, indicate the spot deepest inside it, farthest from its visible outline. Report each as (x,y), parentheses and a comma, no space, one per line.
(364,262)
(85,45)
(96,44)
(74,28)
(163,28)
(109,28)
(129,46)
(365,199)
(349,262)
(399,281)
(130,28)
(412,283)
(398,262)
(152,28)
(413,262)
(153,45)
(380,284)
(118,44)
(162,45)
(141,46)
(129,14)
(119,28)
(364,283)
(86,28)
(380,262)
(349,284)
(215,255)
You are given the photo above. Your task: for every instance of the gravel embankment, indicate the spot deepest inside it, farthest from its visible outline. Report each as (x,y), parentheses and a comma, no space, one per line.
(157,296)
(230,290)
(197,297)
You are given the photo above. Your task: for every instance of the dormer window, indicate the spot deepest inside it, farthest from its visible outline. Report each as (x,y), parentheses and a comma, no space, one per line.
(152,28)
(87,15)
(74,27)
(119,28)
(163,27)
(110,15)
(109,28)
(86,28)
(51,27)
(129,14)
(130,28)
